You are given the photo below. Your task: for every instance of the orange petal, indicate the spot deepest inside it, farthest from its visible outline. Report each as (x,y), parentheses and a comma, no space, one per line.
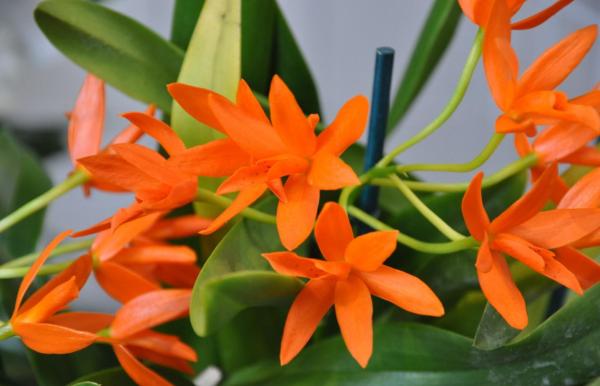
(243,178)
(585,269)
(528,205)
(289,121)
(162,360)
(148,161)
(556,63)
(290,264)
(559,227)
(500,290)
(108,244)
(163,344)
(55,300)
(136,370)
(540,17)
(478,11)
(86,121)
(584,194)
(333,231)
(132,133)
(113,169)
(194,101)
(177,227)
(91,322)
(52,339)
(586,156)
(561,140)
(354,312)
(296,217)
(35,267)
(158,130)
(244,199)
(347,127)
(309,307)
(404,290)
(156,254)
(246,100)
(287,165)
(520,249)
(214,159)
(473,212)
(276,187)
(328,172)
(150,310)
(368,252)
(121,283)
(177,275)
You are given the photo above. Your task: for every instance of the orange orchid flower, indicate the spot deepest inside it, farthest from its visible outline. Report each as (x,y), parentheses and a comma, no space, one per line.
(129,332)
(257,152)
(535,238)
(135,259)
(479,12)
(32,320)
(531,100)
(352,271)
(159,185)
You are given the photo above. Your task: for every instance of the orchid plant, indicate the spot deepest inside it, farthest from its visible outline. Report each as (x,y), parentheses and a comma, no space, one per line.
(252,219)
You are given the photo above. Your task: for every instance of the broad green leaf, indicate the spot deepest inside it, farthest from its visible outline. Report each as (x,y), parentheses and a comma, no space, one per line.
(117,376)
(562,350)
(213,61)
(436,35)
(493,331)
(114,47)
(86,383)
(185,16)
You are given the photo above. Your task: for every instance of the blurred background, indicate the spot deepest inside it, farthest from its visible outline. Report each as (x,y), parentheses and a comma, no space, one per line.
(338,38)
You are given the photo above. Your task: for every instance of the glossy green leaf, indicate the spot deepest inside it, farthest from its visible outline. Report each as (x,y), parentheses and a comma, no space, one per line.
(117,376)
(86,383)
(563,350)
(185,16)
(213,61)
(434,39)
(116,48)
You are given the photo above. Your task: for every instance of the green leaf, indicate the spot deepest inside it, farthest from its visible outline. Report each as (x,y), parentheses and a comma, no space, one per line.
(493,331)
(117,376)
(213,61)
(86,383)
(114,47)
(563,350)
(436,35)
(185,16)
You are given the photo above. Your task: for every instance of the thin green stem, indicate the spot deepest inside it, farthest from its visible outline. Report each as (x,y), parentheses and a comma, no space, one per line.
(6,330)
(224,202)
(418,245)
(433,218)
(49,269)
(58,251)
(74,180)
(453,103)
(476,162)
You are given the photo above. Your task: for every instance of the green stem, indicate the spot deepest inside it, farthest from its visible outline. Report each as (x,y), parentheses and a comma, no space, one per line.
(60,250)
(74,180)
(224,202)
(49,269)
(453,103)
(476,162)
(418,245)
(433,218)
(6,331)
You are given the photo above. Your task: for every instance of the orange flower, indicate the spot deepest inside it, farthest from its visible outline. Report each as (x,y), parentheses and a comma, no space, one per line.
(531,100)
(157,183)
(535,238)
(32,320)
(259,152)
(352,272)
(479,12)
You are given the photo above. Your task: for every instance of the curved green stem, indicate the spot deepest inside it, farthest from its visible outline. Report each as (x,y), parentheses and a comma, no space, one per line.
(49,269)
(60,250)
(76,179)
(224,202)
(453,103)
(476,162)
(433,218)
(6,331)
(418,245)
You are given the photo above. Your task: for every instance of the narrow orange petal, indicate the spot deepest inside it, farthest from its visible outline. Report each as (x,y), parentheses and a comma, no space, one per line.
(35,267)
(156,254)
(56,299)
(244,199)
(289,121)
(346,128)
(108,244)
(520,249)
(368,252)
(478,11)
(218,158)
(52,339)
(557,62)
(500,290)
(246,100)
(177,227)
(162,360)
(307,310)
(586,156)
(86,121)
(404,290)
(354,313)
(113,169)
(561,140)
(585,269)
(91,322)
(158,130)
(328,172)
(194,101)
(121,283)
(148,161)
(141,374)
(132,133)
(243,178)
(540,17)
(177,275)
(163,344)
(333,231)
(473,212)
(296,217)
(290,264)
(584,194)
(150,310)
